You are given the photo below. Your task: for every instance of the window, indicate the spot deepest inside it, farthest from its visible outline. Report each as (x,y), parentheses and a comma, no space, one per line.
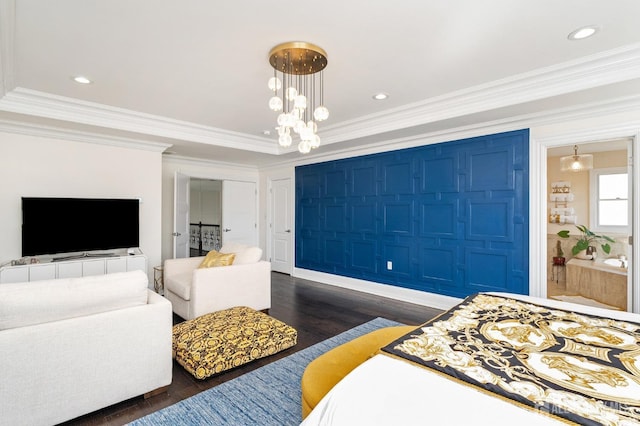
(610,200)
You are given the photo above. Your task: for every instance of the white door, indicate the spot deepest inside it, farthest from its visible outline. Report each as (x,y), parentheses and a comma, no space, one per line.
(239,217)
(181,215)
(281,233)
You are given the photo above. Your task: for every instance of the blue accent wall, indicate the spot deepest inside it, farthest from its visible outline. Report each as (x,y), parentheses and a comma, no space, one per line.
(452,218)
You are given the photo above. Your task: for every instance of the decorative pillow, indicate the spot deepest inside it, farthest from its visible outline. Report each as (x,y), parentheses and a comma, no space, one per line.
(248,255)
(214,258)
(232,247)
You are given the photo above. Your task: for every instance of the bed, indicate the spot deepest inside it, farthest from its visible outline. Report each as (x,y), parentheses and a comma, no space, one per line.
(496,359)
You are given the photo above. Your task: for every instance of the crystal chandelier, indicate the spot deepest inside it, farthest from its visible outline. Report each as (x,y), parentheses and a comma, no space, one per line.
(297,86)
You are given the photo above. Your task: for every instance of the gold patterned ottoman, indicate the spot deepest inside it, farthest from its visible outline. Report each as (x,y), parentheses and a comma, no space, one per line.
(221,340)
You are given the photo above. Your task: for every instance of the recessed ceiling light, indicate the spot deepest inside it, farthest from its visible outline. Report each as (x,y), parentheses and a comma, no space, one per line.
(266,132)
(81,79)
(380,96)
(584,32)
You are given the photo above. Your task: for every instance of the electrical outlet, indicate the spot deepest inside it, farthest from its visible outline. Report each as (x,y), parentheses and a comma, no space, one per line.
(389,265)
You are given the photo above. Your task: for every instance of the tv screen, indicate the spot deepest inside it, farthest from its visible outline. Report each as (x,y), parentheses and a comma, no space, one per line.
(66,225)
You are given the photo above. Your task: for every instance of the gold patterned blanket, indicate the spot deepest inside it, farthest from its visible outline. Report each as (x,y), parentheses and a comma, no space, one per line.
(582,368)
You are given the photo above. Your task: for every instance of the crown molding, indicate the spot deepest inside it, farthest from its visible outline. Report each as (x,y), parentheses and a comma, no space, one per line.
(588,72)
(40,104)
(543,118)
(31,129)
(7,35)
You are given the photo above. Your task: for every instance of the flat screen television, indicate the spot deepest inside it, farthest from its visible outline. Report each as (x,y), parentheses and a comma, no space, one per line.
(67,225)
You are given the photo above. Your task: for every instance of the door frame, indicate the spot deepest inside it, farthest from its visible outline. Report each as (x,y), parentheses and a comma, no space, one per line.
(538,194)
(233,177)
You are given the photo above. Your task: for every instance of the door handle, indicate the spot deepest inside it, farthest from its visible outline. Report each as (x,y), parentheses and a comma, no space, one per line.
(287,230)
(226,230)
(176,234)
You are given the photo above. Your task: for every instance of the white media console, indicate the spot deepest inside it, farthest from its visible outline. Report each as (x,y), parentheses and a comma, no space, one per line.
(74,265)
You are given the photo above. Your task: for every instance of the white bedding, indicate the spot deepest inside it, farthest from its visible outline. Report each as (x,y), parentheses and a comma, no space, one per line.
(386,391)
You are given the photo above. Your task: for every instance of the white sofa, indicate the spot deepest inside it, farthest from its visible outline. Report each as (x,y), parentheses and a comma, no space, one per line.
(194,292)
(72,346)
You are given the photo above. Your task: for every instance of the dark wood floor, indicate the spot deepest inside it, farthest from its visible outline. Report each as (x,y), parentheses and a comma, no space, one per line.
(316,311)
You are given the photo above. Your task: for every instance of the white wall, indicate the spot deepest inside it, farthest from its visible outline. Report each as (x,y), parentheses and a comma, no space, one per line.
(195,169)
(39,166)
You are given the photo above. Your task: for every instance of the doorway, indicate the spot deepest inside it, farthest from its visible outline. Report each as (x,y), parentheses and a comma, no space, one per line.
(205,216)
(209,212)
(597,204)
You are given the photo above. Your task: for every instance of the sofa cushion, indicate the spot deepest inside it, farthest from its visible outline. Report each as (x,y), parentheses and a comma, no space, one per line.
(180,284)
(214,258)
(35,302)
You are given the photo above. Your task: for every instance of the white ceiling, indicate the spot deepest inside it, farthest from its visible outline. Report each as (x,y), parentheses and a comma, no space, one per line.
(193,73)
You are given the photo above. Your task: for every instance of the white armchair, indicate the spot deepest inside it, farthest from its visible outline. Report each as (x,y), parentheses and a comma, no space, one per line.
(194,292)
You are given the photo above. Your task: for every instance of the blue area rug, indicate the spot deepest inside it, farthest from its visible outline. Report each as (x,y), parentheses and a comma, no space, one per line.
(269,395)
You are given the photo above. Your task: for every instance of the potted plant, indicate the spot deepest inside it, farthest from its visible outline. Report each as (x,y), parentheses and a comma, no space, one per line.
(559,259)
(584,249)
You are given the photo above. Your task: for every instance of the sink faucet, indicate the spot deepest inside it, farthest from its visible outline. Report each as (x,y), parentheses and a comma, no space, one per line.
(623,260)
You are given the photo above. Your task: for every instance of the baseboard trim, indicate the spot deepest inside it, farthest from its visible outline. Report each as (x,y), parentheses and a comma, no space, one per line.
(423,298)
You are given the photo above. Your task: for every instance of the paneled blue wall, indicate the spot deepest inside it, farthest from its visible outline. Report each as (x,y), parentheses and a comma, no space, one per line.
(451,218)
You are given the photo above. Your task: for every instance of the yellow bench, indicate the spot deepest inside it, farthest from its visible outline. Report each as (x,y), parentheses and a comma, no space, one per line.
(324,372)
